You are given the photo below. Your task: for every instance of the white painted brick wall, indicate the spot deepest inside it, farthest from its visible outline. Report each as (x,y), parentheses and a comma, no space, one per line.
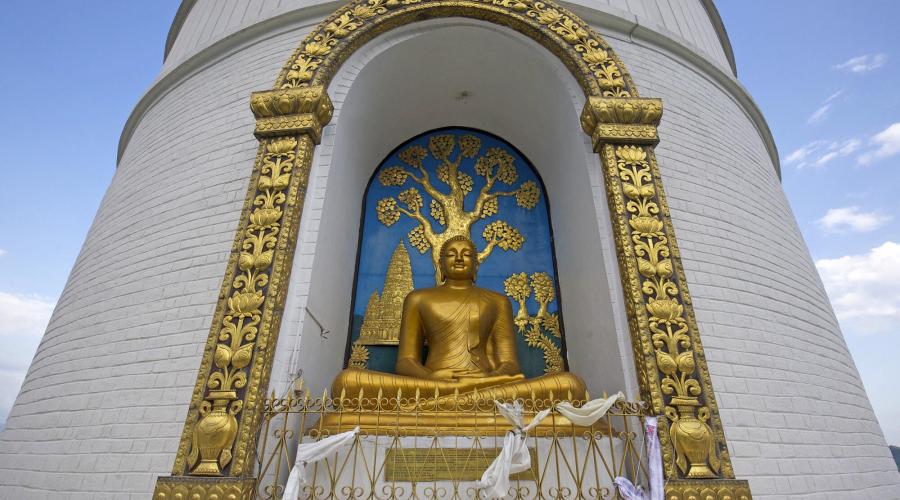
(101,410)
(212,20)
(103,404)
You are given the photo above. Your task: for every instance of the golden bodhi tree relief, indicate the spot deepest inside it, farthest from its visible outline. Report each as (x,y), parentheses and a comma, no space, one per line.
(448,209)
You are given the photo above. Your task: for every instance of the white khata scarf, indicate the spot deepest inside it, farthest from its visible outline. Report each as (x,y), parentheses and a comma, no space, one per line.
(589,413)
(654,459)
(514,456)
(310,453)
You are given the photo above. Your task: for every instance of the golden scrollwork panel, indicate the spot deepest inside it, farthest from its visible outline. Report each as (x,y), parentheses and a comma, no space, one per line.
(235,365)
(224,415)
(689,440)
(668,352)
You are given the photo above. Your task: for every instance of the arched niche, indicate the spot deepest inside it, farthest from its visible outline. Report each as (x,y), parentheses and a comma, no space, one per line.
(405,82)
(391,75)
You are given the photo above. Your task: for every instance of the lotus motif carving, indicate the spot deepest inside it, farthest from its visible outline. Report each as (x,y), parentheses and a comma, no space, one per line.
(665,310)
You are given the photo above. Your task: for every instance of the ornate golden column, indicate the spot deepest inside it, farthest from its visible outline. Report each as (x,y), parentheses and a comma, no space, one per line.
(668,353)
(215,458)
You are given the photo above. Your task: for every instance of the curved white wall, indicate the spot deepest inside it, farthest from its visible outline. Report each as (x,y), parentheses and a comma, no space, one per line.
(102,407)
(208,21)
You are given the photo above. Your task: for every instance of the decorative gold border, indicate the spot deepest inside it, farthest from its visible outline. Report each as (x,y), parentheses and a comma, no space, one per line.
(205,488)
(223,421)
(667,349)
(590,59)
(709,489)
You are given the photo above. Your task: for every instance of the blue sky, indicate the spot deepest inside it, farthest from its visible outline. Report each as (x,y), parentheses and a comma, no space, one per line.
(826,74)
(823,72)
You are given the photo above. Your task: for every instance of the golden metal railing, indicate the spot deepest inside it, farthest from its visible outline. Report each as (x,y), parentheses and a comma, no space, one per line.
(413,448)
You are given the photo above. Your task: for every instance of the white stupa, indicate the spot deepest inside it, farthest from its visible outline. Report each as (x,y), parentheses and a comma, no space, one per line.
(102,410)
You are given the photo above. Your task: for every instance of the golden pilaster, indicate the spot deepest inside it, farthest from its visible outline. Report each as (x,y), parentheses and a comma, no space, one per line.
(215,455)
(668,352)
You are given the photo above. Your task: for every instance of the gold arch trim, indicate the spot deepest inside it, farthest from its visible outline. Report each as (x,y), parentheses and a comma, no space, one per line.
(217,449)
(588,57)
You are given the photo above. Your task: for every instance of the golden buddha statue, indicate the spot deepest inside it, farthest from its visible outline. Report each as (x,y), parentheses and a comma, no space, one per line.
(471,341)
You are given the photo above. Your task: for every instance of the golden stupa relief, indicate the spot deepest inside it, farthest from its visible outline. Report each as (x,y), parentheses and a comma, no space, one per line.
(381,323)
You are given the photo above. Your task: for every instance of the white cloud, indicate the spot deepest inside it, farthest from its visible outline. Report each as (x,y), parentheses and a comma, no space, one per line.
(819,153)
(863,289)
(25,318)
(887,144)
(820,114)
(863,63)
(852,219)
(3,252)
(24,314)
(799,155)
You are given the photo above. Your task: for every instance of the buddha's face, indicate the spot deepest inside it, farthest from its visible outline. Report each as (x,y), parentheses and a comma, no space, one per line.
(459,260)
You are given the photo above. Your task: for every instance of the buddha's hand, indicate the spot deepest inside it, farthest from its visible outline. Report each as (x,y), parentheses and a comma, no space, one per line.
(505,379)
(446,374)
(483,378)
(470,374)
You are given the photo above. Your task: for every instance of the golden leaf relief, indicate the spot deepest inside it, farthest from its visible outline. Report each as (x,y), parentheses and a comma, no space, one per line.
(214,434)
(359,356)
(437,212)
(469,145)
(501,234)
(411,198)
(316,49)
(418,240)
(441,146)
(393,176)
(386,210)
(413,155)
(519,288)
(516,286)
(528,195)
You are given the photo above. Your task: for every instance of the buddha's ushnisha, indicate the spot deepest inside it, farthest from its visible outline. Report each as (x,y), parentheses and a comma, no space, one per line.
(471,342)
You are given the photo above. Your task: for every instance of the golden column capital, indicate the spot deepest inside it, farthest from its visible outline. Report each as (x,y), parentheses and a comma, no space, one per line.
(623,120)
(291,111)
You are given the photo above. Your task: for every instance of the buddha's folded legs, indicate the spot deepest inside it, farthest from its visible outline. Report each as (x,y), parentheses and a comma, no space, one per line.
(556,386)
(542,391)
(353,382)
